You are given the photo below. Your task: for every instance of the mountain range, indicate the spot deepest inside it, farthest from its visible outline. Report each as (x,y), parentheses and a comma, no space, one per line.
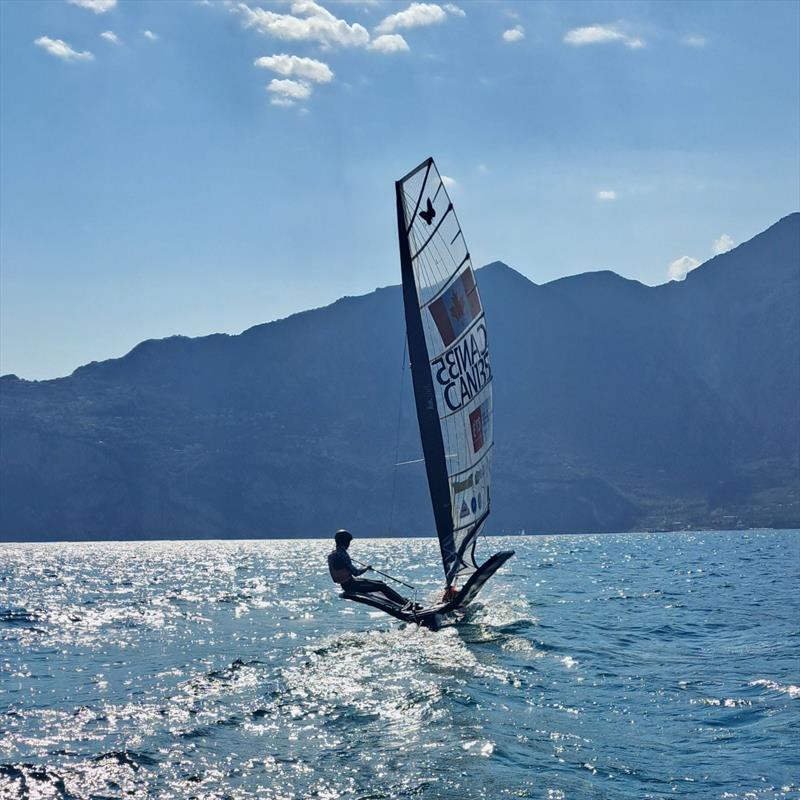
(618,406)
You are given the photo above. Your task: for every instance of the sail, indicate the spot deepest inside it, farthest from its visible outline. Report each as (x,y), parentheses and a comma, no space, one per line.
(449,353)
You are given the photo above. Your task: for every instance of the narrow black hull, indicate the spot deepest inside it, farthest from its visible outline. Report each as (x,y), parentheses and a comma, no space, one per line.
(434,616)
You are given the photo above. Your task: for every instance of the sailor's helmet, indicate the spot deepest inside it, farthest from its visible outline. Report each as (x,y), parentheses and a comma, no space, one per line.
(343,537)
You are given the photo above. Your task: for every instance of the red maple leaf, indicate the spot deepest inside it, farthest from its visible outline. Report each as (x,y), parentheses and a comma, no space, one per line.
(457,307)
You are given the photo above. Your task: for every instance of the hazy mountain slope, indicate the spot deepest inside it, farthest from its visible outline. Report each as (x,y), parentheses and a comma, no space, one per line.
(617,406)
(744,308)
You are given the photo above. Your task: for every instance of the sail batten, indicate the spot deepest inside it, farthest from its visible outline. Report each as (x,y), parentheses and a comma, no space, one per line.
(450,366)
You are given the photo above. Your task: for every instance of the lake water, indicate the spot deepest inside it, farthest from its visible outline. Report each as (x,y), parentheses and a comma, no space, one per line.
(630,666)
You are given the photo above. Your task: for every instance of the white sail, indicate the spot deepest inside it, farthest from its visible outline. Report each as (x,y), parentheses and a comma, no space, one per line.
(458,365)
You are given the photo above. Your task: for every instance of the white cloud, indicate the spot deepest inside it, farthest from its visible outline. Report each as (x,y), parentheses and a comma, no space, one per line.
(449,183)
(450,8)
(110,36)
(694,41)
(681,267)
(606,194)
(295,67)
(282,101)
(483,168)
(601,34)
(98,6)
(514,34)
(723,244)
(389,43)
(287,92)
(150,35)
(308,21)
(60,49)
(417,15)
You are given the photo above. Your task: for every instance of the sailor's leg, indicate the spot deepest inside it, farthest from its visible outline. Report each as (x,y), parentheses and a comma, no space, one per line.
(390,593)
(366,587)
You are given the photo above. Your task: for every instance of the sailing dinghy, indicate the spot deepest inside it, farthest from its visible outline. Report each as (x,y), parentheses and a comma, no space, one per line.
(452,377)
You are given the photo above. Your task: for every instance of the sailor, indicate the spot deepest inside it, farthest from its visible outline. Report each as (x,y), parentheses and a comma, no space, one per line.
(344,572)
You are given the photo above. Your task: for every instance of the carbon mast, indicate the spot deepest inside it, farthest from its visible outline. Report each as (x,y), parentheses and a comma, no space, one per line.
(422,378)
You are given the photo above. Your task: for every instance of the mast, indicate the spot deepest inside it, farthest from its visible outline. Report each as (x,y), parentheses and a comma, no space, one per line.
(424,393)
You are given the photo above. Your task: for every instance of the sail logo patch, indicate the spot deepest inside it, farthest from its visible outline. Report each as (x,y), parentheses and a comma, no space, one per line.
(478,423)
(455,310)
(429,213)
(464,370)
(462,486)
(472,480)
(464,509)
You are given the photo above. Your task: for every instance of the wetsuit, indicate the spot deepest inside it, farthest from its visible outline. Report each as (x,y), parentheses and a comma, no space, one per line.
(343,572)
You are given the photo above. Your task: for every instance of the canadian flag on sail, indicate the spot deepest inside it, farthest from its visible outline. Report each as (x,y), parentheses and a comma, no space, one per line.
(456,308)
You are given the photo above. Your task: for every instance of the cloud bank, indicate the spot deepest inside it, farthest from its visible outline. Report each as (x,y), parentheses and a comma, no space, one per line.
(389,43)
(98,6)
(601,34)
(288,92)
(694,41)
(308,22)
(60,49)
(417,15)
(449,183)
(681,267)
(515,34)
(296,67)
(723,244)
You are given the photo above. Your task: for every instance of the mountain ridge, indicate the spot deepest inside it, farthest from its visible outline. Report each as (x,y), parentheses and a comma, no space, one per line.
(490,266)
(618,406)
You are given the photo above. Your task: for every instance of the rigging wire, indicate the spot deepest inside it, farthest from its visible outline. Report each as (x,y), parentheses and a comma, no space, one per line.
(386,575)
(390,526)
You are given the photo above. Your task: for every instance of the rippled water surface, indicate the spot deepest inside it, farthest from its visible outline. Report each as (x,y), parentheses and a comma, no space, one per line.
(635,666)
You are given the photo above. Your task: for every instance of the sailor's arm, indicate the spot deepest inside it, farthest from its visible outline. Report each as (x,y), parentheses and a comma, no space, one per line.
(352,567)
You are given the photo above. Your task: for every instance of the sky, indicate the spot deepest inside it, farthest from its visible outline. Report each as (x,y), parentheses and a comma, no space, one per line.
(200,167)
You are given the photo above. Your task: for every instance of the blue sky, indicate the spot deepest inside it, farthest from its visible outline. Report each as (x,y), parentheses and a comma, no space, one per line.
(195,167)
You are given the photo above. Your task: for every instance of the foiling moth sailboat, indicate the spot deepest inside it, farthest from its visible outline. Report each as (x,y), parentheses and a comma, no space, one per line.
(452,376)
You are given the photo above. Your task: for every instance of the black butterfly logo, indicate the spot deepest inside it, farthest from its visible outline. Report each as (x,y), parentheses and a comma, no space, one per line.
(429,214)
